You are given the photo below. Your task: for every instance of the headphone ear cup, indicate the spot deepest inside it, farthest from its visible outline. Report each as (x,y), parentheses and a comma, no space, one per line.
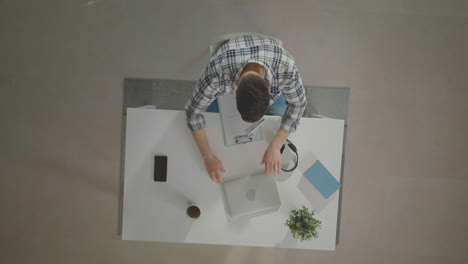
(291,146)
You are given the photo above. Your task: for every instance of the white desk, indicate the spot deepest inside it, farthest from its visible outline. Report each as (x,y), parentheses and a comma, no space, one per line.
(155,211)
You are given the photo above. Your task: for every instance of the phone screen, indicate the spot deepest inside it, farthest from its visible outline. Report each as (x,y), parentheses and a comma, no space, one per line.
(160,168)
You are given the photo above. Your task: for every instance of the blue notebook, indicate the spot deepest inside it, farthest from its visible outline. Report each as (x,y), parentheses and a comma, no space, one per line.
(322,179)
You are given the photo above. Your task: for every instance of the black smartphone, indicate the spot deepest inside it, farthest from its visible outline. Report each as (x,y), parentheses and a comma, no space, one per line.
(160,168)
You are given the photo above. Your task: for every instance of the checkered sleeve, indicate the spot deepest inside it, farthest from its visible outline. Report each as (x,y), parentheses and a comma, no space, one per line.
(203,95)
(295,97)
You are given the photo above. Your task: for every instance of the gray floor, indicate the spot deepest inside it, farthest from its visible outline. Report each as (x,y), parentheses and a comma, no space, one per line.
(62,70)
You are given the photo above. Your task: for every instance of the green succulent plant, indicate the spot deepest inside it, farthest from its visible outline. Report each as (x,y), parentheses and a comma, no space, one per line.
(302,224)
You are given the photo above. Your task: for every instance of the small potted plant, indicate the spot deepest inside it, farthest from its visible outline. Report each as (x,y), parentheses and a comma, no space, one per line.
(302,224)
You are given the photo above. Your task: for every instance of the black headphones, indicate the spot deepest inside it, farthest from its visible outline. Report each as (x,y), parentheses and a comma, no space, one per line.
(294,149)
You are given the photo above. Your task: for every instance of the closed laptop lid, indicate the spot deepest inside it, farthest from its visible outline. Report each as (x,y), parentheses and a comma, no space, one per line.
(251,195)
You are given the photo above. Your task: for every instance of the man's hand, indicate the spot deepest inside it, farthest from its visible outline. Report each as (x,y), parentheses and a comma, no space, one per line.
(272,156)
(212,163)
(214,167)
(272,159)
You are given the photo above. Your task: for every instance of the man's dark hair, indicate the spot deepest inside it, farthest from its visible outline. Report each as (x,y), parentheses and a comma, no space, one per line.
(253,98)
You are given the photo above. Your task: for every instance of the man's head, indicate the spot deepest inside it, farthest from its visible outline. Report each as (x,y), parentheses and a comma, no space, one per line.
(253,97)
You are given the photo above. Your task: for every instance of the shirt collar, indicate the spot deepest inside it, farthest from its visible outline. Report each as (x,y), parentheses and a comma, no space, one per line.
(268,72)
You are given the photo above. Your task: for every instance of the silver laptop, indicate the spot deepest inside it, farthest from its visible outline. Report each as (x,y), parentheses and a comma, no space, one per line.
(251,196)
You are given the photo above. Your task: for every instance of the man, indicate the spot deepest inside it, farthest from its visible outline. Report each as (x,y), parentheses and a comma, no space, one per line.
(266,81)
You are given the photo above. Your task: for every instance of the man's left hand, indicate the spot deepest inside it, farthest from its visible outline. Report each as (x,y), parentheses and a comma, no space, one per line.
(272,159)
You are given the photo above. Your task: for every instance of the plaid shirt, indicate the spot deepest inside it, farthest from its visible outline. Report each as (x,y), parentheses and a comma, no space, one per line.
(223,71)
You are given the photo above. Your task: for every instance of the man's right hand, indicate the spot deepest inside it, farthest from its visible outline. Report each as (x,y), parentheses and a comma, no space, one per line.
(214,167)
(212,163)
